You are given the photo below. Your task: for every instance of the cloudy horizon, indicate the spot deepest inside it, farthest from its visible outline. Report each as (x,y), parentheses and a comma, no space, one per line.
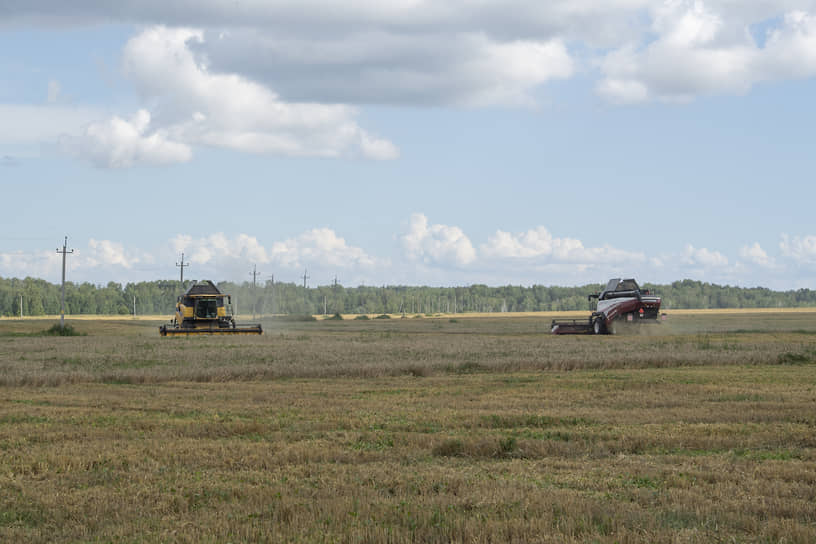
(444,255)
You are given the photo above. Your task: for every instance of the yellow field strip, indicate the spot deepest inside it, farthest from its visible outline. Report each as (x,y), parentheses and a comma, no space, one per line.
(553,314)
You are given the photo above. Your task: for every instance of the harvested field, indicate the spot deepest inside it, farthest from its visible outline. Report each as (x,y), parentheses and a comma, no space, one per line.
(487,429)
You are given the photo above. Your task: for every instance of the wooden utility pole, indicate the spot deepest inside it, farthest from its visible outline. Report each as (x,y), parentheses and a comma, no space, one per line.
(254,275)
(64,252)
(305,302)
(274,308)
(182,265)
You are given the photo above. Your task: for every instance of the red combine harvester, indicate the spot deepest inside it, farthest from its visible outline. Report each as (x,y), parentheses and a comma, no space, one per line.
(620,300)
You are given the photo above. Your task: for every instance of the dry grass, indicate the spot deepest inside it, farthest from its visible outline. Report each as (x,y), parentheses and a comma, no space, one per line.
(412,431)
(132,351)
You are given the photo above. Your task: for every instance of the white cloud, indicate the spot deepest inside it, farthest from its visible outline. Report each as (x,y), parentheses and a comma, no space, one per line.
(219,247)
(756,255)
(436,254)
(703,257)
(99,260)
(540,244)
(801,249)
(107,253)
(321,246)
(428,66)
(122,143)
(700,48)
(38,264)
(315,247)
(436,244)
(277,77)
(200,107)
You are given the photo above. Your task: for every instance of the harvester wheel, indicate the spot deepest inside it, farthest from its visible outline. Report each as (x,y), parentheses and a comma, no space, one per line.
(612,327)
(598,326)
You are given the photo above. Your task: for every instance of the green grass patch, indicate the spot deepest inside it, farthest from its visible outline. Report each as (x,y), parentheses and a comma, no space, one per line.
(794,358)
(509,421)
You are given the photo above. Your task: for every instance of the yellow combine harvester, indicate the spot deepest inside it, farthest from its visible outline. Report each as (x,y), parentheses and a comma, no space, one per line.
(202,310)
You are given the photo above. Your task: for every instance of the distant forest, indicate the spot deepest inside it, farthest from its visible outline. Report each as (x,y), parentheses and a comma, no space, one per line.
(40,297)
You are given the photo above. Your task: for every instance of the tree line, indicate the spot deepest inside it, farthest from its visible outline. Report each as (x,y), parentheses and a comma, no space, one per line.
(36,297)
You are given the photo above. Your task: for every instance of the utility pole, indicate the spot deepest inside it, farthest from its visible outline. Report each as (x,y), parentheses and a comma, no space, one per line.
(254,275)
(305,302)
(21,306)
(182,265)
(64,252)
(274,309)
(134,305)
(334,295)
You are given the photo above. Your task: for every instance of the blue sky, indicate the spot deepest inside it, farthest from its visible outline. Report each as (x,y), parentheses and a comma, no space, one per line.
(410,142)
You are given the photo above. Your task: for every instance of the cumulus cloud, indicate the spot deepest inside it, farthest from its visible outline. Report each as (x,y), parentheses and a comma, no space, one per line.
(122,143)
(435,253)
(414,52)
(98,260)
(801,249)
(193,105)
(38,264)
(539,243)
(756,255)
(323,246)
(429,67)
(279,77)
(703,257)
(699,48)
(318,246)
(219,247)
(525,254)
(107,253)
(203,107)
(436,244)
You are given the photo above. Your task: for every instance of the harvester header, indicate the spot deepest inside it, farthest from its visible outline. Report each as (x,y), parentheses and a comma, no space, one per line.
(203,309)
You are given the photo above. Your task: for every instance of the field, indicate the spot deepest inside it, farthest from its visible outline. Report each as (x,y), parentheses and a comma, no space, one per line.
(485,429)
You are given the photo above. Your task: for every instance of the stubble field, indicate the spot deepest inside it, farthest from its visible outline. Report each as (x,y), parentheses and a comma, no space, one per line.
(411,430)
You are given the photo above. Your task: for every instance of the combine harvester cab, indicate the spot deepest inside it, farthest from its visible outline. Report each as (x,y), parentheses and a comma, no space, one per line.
(203,309)
(620,300)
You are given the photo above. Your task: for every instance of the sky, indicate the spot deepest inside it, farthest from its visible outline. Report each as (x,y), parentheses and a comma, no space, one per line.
(410,142)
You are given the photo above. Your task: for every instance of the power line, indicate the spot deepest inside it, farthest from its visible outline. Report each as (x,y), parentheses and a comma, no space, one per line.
(64,252)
